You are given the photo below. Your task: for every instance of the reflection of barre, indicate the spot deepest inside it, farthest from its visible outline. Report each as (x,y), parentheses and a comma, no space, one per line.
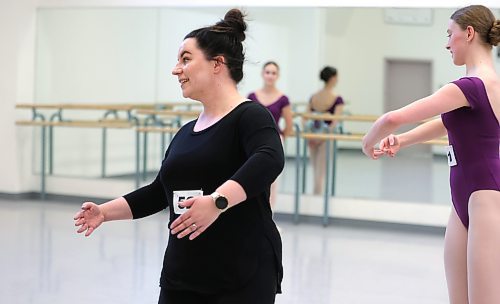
(157,129)
(180,103)
(104,123)
(76,106)
(367,118)
(112,109)
(330,158)
(359,118)
(97,106)
(169,113)
(359,137)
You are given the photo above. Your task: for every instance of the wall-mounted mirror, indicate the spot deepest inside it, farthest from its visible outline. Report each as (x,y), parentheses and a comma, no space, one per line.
(125,55)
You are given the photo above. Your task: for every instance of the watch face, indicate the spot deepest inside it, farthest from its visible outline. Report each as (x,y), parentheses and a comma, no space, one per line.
(221,202)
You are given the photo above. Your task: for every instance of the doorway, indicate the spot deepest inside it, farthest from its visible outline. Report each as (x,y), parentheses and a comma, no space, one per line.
(405,82)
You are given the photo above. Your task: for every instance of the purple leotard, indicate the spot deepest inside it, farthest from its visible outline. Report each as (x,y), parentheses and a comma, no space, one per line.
(474,134)
(275,108)
(338,101)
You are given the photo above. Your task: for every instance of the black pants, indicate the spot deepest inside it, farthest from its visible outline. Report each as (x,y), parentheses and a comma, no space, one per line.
(261,289)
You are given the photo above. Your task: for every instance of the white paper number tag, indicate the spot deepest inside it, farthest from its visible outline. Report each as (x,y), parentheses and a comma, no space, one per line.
(450,155)
(182,195)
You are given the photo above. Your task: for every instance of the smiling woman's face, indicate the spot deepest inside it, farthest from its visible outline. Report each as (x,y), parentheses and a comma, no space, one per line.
(193,70)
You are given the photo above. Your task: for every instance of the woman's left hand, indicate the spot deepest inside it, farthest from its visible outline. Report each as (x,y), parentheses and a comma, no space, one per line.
(201,214)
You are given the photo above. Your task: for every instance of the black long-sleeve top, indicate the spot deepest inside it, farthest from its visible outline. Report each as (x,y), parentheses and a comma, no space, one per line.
(243,146)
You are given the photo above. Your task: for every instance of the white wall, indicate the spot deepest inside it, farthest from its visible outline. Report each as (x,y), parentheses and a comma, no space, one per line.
(96,55)
(362,42)
(126,55)
(17,29)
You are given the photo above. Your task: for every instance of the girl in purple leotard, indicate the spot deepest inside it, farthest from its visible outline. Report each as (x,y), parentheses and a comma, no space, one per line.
(470,115)
(273,99)
(277,103)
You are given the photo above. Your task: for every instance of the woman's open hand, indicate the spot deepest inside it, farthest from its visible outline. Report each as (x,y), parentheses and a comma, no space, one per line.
(89,218)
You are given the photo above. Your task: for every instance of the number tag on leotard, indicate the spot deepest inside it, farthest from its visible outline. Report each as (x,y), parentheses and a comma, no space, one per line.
(450,155)
(182,195)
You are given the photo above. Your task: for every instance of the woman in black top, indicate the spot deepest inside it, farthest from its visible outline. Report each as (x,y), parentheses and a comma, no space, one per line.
(215,177)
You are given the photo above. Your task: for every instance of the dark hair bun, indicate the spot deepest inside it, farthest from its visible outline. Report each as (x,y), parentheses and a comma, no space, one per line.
(233,23)
(327,73)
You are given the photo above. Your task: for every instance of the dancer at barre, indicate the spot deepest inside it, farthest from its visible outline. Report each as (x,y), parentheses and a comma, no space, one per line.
(325,101)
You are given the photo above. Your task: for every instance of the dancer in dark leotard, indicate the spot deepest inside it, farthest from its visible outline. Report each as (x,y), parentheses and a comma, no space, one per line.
(470,115)
(474,134)
(324,101)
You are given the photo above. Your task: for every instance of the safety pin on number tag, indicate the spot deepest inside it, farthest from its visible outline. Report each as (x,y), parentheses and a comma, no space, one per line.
(182,195)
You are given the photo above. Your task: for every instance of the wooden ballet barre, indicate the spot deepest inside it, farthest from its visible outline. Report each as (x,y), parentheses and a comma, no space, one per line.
(78,106)
(158,105)
(44,124)
(79,123)
(157,129)
(360,118)
(330,160)
(327,136)
(439,141)
(359,137)
(101,106)
(169,113)
(299,104)
(366,118)
(180,103)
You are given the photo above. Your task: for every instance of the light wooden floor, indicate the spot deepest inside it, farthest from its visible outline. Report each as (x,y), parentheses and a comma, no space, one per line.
(43,260)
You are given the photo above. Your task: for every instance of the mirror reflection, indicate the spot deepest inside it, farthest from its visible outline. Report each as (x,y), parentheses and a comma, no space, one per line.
(113,67)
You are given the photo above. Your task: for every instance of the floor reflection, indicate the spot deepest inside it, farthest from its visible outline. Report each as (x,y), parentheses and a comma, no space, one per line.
(43,260)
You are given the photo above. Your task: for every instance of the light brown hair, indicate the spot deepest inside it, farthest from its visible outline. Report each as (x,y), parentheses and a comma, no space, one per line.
(482,20)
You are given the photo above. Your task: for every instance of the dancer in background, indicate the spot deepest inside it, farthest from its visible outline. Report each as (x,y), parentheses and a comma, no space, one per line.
(278,104)
(325,101)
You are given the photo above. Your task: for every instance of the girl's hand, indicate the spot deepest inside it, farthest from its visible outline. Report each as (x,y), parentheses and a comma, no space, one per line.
(390,145)
(371,152)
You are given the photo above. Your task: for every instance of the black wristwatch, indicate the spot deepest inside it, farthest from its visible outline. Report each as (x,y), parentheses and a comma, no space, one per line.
(220,201)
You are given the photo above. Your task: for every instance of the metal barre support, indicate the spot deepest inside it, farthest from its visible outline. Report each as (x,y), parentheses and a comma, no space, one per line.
(57,115)
(104,142)
(304,165)
(137,159)
(297,175)
(153,119)
(326,197)
(43,173)
(334,166)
